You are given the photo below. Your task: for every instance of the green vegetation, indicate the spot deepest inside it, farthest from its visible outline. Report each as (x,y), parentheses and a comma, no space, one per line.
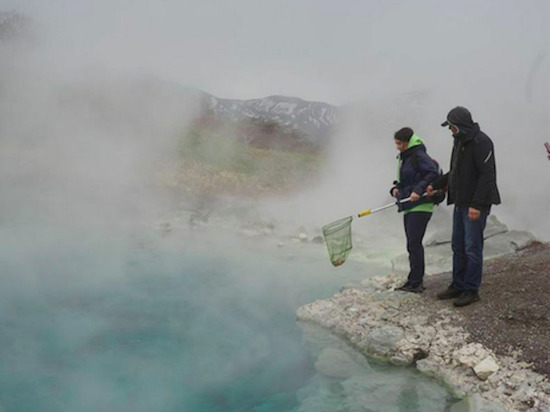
(222,161)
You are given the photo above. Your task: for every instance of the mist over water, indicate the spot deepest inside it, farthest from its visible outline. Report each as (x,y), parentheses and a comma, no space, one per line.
(192,322)
(101,311)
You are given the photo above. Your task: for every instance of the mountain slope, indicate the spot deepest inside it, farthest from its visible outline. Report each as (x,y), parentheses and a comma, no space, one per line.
(315,120)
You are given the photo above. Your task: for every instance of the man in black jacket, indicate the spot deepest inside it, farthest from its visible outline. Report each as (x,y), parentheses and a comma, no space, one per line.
(472,188)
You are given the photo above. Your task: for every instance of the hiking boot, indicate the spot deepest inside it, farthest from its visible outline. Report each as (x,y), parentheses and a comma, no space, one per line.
(407,287)
(450,293)
(466,298)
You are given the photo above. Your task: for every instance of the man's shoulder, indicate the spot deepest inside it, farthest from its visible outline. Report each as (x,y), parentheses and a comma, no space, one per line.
(481,137)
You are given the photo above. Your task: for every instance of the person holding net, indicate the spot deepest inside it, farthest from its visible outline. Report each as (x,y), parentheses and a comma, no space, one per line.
(415,171)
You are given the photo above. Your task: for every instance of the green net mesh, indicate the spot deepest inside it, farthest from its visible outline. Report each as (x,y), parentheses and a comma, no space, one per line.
(338,239)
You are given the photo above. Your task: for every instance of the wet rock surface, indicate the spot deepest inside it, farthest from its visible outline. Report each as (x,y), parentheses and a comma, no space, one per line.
(492,353)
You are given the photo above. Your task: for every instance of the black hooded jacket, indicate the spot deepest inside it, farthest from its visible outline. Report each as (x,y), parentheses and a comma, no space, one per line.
(471,180)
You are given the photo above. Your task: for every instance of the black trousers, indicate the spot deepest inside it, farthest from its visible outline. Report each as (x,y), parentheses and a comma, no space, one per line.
(415,228)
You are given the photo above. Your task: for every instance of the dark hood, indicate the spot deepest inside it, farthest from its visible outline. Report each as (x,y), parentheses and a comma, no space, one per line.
(462,118)
(467,132)
(458,116)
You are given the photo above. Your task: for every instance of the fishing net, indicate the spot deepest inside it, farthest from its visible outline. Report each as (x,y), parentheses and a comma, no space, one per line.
(338,239)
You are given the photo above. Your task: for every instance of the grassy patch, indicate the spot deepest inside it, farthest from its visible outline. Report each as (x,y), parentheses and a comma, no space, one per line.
(217,162)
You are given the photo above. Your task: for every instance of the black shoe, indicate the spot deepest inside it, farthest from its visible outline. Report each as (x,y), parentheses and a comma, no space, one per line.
(407,287)
(450,293)
(466,298)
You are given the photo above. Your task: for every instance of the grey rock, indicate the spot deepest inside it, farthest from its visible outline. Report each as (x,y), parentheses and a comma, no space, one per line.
(318,240)
(486,368)
(520,239)
(428,367)
(383,340)
(444,234)
(497,246)
(494,227)
(440,237)
(438,259)
(438,254)
(401,359)
(471,354)
(508,242)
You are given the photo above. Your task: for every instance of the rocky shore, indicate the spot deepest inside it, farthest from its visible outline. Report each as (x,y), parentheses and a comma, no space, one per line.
(445,342)
(492,354)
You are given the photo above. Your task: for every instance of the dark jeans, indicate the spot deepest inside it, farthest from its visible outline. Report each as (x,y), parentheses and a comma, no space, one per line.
(415,228)
(468,248)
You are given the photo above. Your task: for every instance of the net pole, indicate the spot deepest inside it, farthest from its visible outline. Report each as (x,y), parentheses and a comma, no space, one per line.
(378,209)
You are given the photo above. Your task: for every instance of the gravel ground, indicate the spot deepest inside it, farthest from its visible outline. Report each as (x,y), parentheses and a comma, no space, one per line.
(513,315)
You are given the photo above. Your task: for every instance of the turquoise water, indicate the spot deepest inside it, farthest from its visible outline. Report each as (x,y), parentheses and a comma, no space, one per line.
(185,323)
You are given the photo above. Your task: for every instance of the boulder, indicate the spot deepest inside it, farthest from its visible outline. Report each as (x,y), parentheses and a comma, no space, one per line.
(520,238)
(506,243)
(319,311)
(440,237)
(318,240)
(470,355)
(444,234)
(382,341)
(438,253)
(438,259)
(402,359)
(494,227)
(497,246)
(486,368)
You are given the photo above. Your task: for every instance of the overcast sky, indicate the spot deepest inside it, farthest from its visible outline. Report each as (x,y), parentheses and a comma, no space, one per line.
(395,62)
(331,51)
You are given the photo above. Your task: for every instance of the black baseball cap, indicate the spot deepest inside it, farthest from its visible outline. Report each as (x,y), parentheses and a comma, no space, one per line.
(458,116)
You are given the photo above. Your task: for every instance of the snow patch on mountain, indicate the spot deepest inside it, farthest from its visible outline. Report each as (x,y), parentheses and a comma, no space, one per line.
(314,119)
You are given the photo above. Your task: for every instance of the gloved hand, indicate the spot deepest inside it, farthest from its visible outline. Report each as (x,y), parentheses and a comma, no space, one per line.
(399,206)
